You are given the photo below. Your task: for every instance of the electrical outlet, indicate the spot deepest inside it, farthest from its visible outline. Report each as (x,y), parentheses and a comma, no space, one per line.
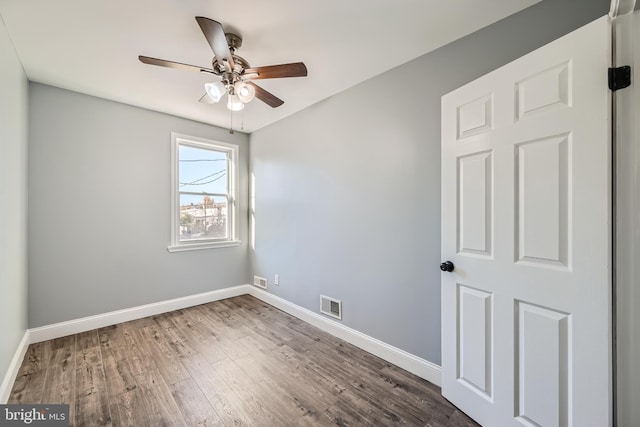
(276,279)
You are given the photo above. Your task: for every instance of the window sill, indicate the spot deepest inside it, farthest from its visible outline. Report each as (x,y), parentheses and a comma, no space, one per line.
(202,245)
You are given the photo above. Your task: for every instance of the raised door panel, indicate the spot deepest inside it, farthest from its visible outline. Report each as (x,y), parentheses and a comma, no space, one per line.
(475,340)
(475,203)
(542,366)
(543,91)
(542,201)
(475,117)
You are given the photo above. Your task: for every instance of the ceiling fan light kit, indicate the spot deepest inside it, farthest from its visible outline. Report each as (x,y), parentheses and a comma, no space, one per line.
(234,71)
(245,92)
(215,91)
(234,103)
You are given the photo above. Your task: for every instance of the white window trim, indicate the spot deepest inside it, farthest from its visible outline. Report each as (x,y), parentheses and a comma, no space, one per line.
(232,207)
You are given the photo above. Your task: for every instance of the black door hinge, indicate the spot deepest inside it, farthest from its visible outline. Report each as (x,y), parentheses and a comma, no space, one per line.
(619,77)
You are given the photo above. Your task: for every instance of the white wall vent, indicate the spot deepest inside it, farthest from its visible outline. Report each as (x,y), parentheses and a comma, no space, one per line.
(260,282)
(331,307)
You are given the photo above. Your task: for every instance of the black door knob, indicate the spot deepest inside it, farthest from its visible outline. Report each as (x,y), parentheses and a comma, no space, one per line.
(447,266)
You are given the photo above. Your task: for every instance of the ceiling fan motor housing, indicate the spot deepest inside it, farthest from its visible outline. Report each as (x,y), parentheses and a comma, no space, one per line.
(234,41)
(239,65)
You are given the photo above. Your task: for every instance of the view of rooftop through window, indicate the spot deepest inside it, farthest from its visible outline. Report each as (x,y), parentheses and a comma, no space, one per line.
(203,185)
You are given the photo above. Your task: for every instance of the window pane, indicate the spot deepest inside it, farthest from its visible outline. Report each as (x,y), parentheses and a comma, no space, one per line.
(202,170)
(203,217)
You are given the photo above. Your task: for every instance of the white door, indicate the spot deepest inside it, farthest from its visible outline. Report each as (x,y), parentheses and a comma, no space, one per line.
(526,221)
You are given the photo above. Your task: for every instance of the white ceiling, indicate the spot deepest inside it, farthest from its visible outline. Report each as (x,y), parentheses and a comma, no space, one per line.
(92,46)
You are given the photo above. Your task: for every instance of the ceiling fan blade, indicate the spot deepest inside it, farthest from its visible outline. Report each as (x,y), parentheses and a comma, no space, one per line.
(295,69)
(172,64)
(214,33)
(266,97)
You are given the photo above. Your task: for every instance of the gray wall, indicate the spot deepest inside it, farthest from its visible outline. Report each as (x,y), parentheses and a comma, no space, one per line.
(347,199)
(13,201)
(99,209)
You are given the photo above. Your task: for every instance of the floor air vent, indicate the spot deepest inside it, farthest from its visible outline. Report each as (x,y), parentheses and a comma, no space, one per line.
(260,282)
(331,307)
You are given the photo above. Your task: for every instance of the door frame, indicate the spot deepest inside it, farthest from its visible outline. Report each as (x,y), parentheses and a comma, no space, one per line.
(626,225)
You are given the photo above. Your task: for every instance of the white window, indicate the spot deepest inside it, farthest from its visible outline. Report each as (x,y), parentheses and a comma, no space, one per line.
(204,211)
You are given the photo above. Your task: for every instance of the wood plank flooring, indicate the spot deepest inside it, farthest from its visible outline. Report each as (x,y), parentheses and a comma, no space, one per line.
(236,362)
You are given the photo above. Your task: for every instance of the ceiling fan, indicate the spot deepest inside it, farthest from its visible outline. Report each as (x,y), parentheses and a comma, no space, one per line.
(234,71)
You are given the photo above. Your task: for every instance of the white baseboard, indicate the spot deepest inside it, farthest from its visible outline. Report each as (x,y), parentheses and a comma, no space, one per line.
(14,367)
(76,326)
(414,364)
(407,361)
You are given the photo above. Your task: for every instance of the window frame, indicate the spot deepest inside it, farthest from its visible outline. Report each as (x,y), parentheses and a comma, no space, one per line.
(232,152)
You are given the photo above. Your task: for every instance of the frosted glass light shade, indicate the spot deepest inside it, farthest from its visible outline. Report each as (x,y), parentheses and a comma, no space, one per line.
(234,103)
(215,90)
(245,92)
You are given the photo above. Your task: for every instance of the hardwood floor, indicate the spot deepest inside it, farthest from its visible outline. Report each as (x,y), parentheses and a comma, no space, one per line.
(233,362)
